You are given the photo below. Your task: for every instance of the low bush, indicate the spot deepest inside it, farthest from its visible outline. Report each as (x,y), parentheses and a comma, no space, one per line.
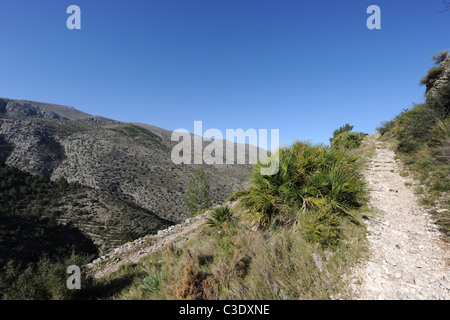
(348,140)
(220,216)
(321,226)
(43,280)
(309,177)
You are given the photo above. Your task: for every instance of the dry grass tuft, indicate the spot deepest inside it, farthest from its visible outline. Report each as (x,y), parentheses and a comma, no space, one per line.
(196,285)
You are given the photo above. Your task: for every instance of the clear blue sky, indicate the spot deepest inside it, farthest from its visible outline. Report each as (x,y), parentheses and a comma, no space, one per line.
(304,67)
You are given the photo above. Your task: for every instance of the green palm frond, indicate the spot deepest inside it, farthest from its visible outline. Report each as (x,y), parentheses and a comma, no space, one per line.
(219,216)
(309,176)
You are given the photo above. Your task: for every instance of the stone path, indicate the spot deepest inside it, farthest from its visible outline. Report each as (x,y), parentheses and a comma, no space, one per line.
(408,257)
(134,251)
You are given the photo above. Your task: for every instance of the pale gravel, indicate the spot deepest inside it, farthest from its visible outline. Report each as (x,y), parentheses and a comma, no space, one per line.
(409,260)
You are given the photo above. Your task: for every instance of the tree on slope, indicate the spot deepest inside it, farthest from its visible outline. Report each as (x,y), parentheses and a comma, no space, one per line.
(197,197)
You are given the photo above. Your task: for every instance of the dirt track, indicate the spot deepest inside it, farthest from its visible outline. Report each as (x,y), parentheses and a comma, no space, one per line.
(408,257)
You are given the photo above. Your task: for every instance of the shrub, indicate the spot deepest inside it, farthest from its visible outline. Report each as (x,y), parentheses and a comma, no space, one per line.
(348,140)
(220,216)
(385,127)
(440,57)
(309,176)
(414,127)
(433,74)
(195,285)
(152,282)
(43,280)
(439,102)
(197,196)
(321,226)
(345,128)
(236,195)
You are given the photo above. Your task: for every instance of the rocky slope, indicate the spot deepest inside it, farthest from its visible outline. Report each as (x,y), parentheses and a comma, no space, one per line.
(130,162)
(438,84)
(38,215)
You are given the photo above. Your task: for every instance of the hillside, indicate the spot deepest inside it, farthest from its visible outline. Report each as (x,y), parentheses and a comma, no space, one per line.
(39,216)
(289,237)
(400,256)
(127,185)
(131,160)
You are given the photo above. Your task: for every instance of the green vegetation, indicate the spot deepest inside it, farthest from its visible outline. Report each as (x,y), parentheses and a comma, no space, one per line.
(43,280)
(25,235)
(16,186)
(348,140)
(344,138)
(435,72)
(219,216)
(345,128)
(197,197)
(151,282)
(310,177)
(309,234)
(42,221)
(233,262)
(5,148)
(36,205)
(139,134)
(292,235)
(421,137)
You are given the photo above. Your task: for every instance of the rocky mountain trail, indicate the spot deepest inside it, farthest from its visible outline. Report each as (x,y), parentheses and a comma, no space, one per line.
(409,259)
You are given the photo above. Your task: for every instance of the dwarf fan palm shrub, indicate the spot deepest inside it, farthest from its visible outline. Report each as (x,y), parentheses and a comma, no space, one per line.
(152,282)
(309,176)
(219,216)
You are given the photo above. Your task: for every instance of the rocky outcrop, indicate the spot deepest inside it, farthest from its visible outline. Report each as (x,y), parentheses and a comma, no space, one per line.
(30,147)
(442,81)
